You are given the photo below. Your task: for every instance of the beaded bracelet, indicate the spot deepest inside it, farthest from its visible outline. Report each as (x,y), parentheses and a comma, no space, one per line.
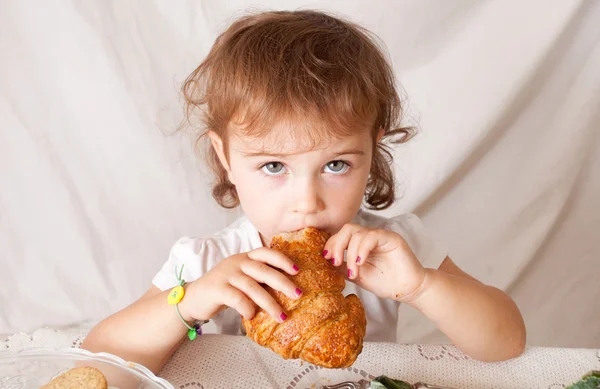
(175,296)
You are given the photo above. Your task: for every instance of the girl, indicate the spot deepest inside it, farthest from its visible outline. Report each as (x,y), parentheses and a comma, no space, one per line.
(297,107)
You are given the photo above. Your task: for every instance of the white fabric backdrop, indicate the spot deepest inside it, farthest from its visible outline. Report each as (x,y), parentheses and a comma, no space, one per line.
(505,171)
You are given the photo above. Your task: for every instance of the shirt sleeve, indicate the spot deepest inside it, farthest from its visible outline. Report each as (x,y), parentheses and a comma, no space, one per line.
(430,252)
(196,257)
(187,253)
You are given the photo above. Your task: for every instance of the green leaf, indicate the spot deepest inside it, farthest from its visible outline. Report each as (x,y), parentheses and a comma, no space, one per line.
(383,382)
(376,385)
(588,381)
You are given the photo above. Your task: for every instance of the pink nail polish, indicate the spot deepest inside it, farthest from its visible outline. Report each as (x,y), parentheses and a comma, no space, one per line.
(298,292)
(333,261)
(325,252)
(283,316)
(295,268)
(349,273)
(357,259)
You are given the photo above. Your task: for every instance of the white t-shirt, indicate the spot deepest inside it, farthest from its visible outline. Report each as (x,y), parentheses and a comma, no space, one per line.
(199,255)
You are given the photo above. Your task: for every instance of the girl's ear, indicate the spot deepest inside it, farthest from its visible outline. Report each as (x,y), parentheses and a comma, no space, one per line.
(380,134)
(217,144)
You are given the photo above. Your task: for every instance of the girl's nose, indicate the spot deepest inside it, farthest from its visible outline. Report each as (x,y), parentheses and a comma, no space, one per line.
(307,197)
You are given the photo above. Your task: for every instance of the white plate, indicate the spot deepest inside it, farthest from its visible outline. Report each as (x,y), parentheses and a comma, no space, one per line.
(35,367)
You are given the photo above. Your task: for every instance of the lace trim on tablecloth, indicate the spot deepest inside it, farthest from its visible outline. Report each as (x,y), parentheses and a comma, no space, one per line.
(208,362)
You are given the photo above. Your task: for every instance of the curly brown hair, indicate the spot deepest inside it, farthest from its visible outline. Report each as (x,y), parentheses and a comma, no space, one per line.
(297,65)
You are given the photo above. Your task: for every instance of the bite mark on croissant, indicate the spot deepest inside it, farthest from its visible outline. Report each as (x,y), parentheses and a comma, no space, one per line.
(323,327)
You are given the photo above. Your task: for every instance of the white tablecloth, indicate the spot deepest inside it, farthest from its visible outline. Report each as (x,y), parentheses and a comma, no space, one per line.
(218,361)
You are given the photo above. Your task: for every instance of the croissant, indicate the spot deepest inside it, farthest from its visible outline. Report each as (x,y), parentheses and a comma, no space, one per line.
(323,327)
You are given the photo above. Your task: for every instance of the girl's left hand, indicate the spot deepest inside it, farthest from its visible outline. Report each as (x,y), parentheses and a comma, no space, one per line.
(379,261)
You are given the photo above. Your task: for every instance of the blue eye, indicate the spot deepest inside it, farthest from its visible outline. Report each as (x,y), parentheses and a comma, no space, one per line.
(337,167)
(273,168)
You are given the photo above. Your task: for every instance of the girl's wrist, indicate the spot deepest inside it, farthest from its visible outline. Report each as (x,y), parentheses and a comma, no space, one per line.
(415,297)
(185,305)
(181,297)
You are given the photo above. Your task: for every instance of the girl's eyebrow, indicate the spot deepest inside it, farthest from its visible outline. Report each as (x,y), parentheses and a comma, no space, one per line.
(256,154)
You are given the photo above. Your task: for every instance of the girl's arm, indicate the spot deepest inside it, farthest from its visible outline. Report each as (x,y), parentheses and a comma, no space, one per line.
(149,331)
(482,321)
(146,332)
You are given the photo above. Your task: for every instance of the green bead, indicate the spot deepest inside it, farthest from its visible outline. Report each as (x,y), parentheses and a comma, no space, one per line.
(192,334)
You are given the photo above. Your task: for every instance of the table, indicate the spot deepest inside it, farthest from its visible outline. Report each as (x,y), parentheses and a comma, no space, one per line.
(222,361)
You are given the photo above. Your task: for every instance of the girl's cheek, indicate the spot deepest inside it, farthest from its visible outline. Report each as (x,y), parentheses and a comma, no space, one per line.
(343,181)
(274,182)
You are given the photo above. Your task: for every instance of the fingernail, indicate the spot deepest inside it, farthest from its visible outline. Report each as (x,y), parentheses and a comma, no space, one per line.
(333,261)
(283,316)
(298,292)
(296,268)
(325,252)
(357,259)
(349,273)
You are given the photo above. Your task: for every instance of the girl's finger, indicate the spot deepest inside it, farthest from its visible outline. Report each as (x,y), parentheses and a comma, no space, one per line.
(234,298)
(336,245)
(364,272)
(274,258)
(370,241)
(353,259)
(259,295)
(264,274)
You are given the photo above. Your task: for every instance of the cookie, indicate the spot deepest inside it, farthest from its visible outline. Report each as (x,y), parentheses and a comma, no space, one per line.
(79,378)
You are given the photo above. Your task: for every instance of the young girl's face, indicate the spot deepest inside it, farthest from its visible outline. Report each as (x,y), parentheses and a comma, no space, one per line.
(286,182)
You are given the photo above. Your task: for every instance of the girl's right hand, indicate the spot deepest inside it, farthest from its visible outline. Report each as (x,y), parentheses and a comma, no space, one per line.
(235,282)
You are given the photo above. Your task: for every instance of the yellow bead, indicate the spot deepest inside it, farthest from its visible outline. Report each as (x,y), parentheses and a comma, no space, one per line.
(176,295)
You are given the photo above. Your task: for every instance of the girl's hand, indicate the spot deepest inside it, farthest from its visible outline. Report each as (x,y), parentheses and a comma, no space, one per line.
(236,282)
(377,260)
